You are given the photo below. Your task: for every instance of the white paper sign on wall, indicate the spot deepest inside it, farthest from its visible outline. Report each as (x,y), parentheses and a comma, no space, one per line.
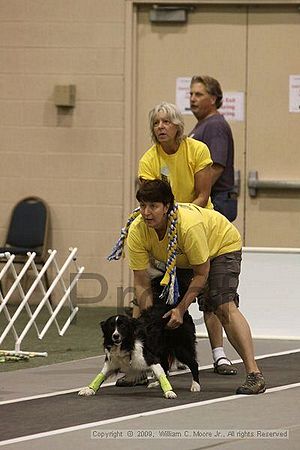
(233,106)
(294,91)
(183,95)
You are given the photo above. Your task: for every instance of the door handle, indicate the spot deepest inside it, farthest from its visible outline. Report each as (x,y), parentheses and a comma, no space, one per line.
(254,184)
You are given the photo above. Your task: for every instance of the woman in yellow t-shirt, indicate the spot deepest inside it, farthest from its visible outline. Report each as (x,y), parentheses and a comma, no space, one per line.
(186,164)
(185,235)
(182,161)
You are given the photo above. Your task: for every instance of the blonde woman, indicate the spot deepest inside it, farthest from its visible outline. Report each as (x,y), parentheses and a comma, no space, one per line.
(186,164)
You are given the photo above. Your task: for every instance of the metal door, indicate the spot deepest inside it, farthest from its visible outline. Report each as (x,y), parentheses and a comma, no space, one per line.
(248,49)
(273,133)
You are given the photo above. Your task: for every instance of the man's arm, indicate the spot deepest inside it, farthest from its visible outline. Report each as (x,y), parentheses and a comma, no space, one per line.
(201,272)
(202,186)
(142,287)
(216,172)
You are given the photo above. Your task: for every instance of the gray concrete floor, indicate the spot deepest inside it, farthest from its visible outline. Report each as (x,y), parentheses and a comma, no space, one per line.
(272,410)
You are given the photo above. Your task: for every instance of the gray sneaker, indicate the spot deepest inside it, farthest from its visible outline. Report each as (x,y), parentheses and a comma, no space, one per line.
(254,384)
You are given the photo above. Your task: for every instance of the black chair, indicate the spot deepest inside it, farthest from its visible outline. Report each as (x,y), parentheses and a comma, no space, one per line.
(28,231)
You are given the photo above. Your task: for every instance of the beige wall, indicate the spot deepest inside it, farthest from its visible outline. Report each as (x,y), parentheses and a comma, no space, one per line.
(73,160)
(82,162)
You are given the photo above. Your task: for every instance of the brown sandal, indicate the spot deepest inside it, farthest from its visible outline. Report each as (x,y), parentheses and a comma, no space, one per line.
(225,369)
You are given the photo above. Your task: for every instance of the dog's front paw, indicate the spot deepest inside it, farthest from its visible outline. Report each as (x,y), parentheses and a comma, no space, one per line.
(170,394)
(195,387)
(86,391)
(154,384)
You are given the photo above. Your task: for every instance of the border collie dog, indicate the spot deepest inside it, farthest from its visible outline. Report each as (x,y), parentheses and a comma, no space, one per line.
(135,345)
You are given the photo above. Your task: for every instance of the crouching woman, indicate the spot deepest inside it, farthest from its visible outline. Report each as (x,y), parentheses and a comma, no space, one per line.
(187,236)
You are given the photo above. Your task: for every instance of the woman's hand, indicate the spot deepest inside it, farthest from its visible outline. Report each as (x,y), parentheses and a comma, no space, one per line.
(176,318)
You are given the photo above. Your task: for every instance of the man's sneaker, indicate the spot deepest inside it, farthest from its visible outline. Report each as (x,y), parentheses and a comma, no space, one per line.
(254,384)
(140,380)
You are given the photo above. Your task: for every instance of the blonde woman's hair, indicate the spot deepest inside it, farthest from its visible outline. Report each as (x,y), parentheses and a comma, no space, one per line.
(172,114)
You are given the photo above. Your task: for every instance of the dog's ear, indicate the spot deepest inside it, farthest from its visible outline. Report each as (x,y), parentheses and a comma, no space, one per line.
(102,324)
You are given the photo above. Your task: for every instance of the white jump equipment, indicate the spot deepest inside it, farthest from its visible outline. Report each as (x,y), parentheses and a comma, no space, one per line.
(9,269)
(269,292)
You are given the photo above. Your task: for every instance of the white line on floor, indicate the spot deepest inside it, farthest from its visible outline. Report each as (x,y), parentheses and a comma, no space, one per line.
(135,416)
(179,372)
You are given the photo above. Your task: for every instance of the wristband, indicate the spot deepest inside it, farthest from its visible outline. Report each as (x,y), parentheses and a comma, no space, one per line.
(164,383)
(96,383)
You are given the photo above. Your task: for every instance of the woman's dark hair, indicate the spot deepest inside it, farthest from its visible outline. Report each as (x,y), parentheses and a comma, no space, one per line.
(155,191)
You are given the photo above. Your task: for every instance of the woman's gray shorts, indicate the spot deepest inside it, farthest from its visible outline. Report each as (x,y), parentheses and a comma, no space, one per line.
(221,286)
(222,283)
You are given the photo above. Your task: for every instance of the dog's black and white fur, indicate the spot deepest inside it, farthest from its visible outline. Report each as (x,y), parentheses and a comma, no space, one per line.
(135,345)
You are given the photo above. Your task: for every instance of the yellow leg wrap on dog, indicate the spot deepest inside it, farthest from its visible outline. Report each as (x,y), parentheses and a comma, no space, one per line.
(164,383)
(96,383)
